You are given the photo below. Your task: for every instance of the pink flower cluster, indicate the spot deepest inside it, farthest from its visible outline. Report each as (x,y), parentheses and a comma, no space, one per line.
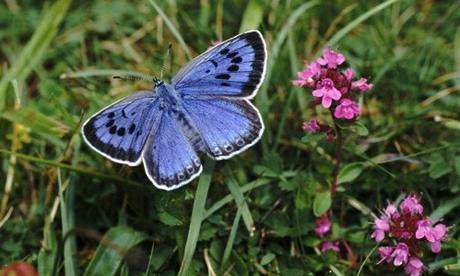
(408,228)
(331,86)
(322,227)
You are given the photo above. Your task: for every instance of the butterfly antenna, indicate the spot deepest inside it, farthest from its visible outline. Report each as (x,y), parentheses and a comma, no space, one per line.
(134,78)
(163,67)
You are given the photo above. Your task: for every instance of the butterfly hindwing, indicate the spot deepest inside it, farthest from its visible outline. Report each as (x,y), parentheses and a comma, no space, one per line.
(170,159)
(120,131)
(226,126)
(234,68)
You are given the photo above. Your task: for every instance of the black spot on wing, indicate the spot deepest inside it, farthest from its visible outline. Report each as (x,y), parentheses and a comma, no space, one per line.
(233,68)
(132,128)
(223,76)
(224,51)
(110,123)
(113,130)
(213,63)
(232,55)
(237,60)
(111,115)
(121,131)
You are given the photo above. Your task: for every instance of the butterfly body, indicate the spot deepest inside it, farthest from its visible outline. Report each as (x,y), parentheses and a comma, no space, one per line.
(206,108)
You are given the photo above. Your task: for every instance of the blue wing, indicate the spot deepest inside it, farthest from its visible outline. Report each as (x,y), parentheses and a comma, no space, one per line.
(120,131)
(234,68)
(227,126)
(170,159)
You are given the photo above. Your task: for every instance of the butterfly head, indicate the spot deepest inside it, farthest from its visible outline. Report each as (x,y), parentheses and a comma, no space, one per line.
(157,82)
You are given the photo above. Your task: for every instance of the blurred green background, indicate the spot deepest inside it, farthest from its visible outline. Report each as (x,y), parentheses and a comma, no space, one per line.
(68,210)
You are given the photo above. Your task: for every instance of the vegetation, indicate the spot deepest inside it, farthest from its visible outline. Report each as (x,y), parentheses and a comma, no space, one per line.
(67,210)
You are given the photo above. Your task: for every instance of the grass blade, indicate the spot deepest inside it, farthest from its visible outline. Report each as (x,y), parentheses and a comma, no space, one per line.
(228,198)
(360,19)
(231,238)
(70,266)
(262,100)
(445,208)
(52,163)
(197,216)
(252,17)
(240,201)
(262,97)
(111,250)
(172,28)
(35,49)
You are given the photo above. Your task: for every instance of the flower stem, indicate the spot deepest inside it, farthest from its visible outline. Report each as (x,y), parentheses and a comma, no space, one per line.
(338,156)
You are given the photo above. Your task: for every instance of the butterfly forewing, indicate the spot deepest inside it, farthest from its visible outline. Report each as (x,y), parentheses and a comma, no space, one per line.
(120,131)
(234,68)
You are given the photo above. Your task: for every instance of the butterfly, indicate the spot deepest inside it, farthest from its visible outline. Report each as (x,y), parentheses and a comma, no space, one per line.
(205,108)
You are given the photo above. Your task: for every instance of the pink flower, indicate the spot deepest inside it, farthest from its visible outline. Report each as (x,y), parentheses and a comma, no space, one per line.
(323,225)
(331,58)
(380,227)
(329,245)
(409,228)
(391,210)
(305,77)
(400,254)
(411,205)
(327,91)
(414,266)
(347,109)
(432,234)
(385,254)
(424,230)
(349,74)
(361,84)
(311,126)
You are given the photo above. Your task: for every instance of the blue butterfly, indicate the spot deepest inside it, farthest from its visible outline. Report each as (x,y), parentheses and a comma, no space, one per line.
(206,108)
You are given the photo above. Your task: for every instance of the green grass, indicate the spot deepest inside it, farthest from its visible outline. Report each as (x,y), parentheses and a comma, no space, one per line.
(67,210)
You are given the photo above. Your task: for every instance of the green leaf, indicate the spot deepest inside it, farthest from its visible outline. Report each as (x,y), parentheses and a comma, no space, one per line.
(359,129)
(445,208)
(321,203)
(169,219)
(349,172)
(438,166)
(268,258)
(111,250)
(457,164)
